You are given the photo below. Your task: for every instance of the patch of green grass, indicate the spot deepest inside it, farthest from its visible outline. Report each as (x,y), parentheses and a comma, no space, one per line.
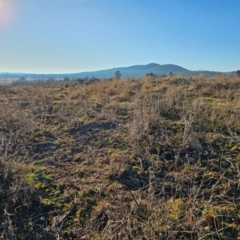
(39,178)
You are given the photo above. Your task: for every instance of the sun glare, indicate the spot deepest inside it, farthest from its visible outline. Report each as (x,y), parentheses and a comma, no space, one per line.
(1,4)
(6,13)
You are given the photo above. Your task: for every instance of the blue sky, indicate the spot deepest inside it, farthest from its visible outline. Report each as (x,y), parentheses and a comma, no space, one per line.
(64,36)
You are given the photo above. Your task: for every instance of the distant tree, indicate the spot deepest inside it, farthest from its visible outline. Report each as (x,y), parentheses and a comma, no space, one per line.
(66,79)
(118,75)
(81,81)
(22,79)
(238,73)
(171,74)
(51,79)
(150,75)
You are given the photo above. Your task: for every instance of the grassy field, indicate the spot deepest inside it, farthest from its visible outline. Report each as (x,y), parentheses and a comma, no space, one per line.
(157,158)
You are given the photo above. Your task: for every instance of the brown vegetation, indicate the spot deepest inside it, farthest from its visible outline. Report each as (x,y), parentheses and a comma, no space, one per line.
(157,158)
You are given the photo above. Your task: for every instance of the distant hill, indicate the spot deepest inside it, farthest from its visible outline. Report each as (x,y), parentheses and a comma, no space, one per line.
(127,72)
(138,71)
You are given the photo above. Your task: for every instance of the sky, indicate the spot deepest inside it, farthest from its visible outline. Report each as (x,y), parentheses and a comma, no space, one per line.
(69,36)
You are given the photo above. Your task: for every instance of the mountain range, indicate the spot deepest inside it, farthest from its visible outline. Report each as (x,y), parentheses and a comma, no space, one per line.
(136,71)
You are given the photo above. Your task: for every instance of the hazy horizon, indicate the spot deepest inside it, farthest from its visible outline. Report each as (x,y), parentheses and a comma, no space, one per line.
(54,37)
(97,70)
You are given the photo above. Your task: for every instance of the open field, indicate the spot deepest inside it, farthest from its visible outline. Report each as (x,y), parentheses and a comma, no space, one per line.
(157,158)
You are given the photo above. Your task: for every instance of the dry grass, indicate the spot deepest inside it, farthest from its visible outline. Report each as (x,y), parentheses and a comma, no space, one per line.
(138,159)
